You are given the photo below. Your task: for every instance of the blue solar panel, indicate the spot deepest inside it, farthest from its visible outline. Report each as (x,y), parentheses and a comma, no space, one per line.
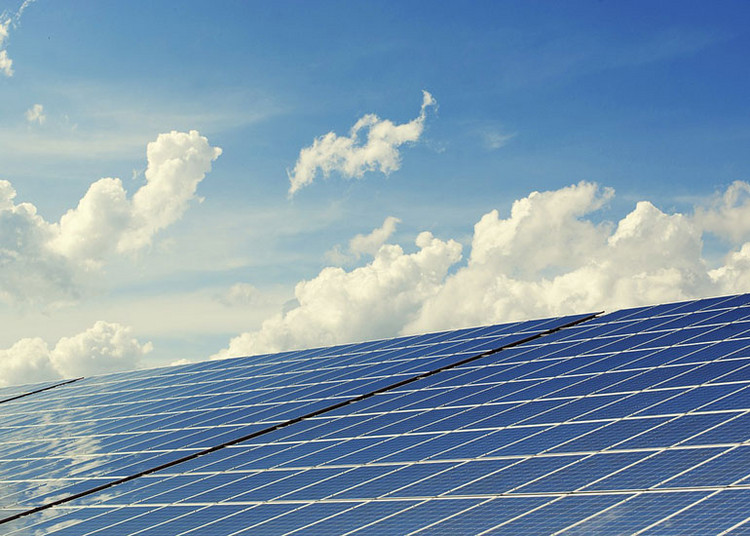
(630,421)
(114,426)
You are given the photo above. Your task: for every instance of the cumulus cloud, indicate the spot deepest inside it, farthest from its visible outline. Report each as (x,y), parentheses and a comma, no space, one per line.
(105,347)
(370,301)
(553,254)
(29,269)
(35,114)
(351,156)
(43,261)
(726,215)
(364,244)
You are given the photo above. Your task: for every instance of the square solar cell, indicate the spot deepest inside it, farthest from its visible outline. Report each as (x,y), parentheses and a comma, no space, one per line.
(634,513)
(654,469)
(719,512)
(515,475)
(360,515)
(586,471)
(674,431)
(449,481)
(484,516)
(735,429)
(610,434)
(558,514)
(415,518)
(732,465)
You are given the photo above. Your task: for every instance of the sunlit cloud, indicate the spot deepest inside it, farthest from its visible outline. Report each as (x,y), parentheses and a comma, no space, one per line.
(370,301)
(6,21)
(364,244)
(43,261)
(105,347)
(553,254)
(372,145)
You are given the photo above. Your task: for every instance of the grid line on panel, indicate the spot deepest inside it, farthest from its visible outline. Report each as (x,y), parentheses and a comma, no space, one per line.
(41,390)
(600,512)
(735,526)
(289,422)
(675,513)
(521,515)
(455,514)
(736,485)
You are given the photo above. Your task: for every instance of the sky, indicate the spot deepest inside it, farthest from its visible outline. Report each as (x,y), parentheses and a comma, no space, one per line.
(193,180)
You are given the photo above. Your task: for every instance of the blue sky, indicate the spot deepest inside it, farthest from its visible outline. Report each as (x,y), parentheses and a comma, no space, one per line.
(648,99)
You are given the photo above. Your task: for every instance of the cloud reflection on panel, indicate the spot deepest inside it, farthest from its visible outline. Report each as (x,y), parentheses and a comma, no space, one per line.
(555,253)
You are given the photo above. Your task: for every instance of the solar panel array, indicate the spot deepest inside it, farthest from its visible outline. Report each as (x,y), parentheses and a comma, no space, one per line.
(633,422)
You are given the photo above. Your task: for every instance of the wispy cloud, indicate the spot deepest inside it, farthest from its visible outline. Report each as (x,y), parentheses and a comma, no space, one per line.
(35,114)
(6,64)
(372,145)
(495,138)
(238,295)
(6,21)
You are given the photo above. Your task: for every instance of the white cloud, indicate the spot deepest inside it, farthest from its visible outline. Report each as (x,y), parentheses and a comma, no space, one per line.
(29,269)
(239,294)
(369,301)
(727,214)
(105,347)
(495,140)
(6,64)
(177,162)
(549,256)
(370,244)
(35,114)
(350,156)
(42,261)
(362,244)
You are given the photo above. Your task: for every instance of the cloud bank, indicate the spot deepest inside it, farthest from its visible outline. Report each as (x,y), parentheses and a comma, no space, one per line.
(103,348)
(374,300)
(551,255)
(351,156)
(42,261)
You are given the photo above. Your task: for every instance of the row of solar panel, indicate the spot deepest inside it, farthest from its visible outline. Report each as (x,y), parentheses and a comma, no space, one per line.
(58,449)
(649,513)
(477,429)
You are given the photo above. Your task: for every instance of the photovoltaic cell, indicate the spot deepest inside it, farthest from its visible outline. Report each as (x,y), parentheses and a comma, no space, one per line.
(630,421)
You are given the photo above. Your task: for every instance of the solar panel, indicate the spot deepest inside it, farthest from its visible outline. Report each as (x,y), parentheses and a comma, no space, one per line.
(564,426)
(90,433)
